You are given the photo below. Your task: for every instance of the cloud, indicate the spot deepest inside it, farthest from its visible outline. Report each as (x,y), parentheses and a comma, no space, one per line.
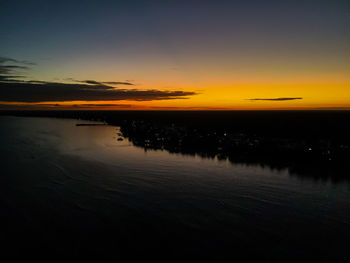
(12,89)
(94,82)
(6,59)
(23,91)
(10,72)
(117,83)
(101,105)
(55,106)
(9,69)
(276,99)
(89,82)
(9,78)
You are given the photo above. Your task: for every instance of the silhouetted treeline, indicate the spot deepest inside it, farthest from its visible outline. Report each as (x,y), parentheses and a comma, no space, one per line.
(309,143)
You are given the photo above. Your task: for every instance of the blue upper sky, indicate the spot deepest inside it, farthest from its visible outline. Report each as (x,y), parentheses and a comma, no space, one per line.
(55,29)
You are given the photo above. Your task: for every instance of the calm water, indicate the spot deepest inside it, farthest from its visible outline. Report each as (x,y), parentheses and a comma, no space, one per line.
(78,191)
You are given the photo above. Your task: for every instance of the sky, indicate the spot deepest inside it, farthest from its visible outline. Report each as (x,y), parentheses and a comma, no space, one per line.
(175,55)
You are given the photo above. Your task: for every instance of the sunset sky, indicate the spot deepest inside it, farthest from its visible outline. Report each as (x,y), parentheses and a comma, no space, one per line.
(164,55)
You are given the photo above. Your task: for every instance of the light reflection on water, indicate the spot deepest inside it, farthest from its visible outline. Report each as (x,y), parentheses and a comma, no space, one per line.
(85,172)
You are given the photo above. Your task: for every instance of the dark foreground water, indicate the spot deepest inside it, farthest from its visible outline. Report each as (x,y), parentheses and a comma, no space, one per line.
(78,192)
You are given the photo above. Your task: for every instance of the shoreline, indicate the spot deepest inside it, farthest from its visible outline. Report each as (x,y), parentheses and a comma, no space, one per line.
(237,137)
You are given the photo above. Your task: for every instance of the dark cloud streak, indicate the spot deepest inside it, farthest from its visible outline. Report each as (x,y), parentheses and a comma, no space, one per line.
(50,91)
(13,89)
(25,62)
(275,99)
(94,82)
(117,83)
(9,72)
(102,105)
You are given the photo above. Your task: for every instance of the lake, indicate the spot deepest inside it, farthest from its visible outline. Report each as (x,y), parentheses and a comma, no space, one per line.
(78,191)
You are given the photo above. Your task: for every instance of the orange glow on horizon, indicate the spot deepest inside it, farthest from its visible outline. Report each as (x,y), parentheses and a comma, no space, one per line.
(329,95)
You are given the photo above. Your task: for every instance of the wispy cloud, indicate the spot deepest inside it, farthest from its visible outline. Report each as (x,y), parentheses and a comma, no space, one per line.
(9,72)
(50,91)
(117,83)
(8,69)
(12,60)
(55,106)
(12,89)
(275,99)
(102,105)
(94,82)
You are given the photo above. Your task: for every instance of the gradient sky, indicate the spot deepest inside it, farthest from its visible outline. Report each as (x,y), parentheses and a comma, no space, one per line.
(176,54)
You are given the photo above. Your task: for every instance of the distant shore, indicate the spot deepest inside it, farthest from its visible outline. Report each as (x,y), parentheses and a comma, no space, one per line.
(314,144)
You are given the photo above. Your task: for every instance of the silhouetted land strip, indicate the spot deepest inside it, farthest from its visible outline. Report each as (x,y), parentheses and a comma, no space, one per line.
(314,144)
